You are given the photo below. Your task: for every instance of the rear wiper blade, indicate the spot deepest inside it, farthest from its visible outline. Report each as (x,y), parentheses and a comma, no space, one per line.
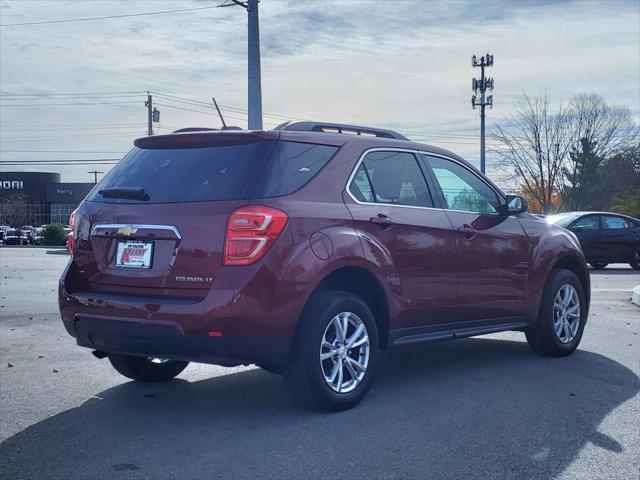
(134,193)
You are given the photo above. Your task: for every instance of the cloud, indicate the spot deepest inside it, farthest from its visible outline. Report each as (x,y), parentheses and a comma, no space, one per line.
(399,64)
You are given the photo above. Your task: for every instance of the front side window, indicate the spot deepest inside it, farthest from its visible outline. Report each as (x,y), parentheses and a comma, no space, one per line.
(462,189)
(610,222)
(395,179)
(587,223)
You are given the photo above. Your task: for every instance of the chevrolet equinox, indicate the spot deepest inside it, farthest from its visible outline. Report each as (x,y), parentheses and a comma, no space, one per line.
(307,250)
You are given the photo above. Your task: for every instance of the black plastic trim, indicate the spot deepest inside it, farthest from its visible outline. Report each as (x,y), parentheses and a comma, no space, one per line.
(433,333)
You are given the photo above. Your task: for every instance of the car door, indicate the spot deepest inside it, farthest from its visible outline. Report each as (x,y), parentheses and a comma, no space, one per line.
(410,240)
(587,229)
(493,251)
(620,237)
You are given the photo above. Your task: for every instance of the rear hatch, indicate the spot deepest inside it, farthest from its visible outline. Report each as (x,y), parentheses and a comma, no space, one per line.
(155,225)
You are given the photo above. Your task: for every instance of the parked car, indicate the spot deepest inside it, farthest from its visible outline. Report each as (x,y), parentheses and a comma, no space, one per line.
(605,237)
(3,229)
(12,237)
(307,252)
(36,236)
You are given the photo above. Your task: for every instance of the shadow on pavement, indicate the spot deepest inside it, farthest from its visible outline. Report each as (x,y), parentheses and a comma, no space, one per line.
(476,408)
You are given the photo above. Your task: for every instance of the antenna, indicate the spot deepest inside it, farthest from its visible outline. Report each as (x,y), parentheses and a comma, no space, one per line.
(224,125)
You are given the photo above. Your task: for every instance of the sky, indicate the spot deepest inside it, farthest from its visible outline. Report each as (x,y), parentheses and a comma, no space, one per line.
(76,90)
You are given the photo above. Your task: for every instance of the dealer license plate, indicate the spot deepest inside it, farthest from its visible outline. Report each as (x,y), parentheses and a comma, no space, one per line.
(134,254)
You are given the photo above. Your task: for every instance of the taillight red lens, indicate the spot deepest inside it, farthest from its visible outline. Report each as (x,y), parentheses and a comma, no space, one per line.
(73,235)
(251,231)
(72,220)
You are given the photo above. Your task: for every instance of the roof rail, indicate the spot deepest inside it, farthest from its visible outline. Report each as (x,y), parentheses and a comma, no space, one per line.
(339,128)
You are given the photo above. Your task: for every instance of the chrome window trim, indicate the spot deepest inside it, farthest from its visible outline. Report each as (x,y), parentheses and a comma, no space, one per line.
(415,152)
(138,226)
(359,162)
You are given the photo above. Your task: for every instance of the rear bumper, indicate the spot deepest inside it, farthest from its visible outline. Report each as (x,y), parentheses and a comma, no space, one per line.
(137,338)
(225,328)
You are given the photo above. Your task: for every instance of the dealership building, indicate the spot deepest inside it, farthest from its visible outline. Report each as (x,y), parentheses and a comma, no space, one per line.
(38,198)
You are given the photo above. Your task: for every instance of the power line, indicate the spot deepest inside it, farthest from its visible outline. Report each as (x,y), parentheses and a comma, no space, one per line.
(60,162)
(54,151)
(107,17)
(63,104)
(54,94)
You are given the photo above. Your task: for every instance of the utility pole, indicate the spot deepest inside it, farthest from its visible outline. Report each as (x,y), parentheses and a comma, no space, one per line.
(95,175)
(482,86)
(149,105)
(253,57)
(255,86)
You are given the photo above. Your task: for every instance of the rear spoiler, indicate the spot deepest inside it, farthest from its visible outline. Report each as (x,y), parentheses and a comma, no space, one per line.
(201,139)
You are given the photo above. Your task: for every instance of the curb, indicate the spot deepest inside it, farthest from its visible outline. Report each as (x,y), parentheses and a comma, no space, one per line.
(635,295)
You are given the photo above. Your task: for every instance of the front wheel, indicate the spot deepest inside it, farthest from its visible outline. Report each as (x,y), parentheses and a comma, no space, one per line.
(635,260)
(146,369)
(335,352)
(562,317)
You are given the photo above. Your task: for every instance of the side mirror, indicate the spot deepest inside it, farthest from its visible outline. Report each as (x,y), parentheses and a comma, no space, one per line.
(514,205)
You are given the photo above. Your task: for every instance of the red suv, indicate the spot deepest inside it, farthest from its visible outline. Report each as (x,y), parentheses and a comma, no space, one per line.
(306,250)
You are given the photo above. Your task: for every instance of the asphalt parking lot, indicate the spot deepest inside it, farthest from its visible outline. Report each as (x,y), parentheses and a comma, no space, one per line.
(475,408)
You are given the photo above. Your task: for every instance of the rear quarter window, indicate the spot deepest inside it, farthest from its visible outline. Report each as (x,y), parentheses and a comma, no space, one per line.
(291,166)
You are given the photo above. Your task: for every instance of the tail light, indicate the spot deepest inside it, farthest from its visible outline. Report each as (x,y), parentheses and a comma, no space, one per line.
(251,231)
(74,232)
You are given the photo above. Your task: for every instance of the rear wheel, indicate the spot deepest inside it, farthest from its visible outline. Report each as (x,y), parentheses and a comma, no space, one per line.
(598,265)
(335,352)
(146,369)
(635,260)
(562,317)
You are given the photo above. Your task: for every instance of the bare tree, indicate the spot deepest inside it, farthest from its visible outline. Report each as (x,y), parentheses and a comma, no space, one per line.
(533,143)
(599,131)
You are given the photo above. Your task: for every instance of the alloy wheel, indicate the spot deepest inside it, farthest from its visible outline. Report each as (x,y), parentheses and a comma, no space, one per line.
(566,313)
(344,352)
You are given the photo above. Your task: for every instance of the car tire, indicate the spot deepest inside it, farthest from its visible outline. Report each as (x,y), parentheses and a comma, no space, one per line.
(598,265)
(329,383)
(635,260)
(145,369)
(543,337)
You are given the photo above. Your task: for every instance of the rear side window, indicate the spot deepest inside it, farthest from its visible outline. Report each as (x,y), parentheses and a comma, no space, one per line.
(360,186)
(391,177)
(611,222)
(226,172)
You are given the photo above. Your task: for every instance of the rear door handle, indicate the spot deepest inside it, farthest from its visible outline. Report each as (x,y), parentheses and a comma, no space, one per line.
(382,221)
(468,231)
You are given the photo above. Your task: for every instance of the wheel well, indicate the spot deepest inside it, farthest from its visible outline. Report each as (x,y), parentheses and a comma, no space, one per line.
(365,285)
(576,267)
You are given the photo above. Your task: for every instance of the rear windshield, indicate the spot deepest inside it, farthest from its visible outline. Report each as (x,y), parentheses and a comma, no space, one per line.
(229,172)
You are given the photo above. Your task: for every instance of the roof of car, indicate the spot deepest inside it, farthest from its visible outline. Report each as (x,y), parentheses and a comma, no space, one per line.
(593,212)
(189,138)
(203,137)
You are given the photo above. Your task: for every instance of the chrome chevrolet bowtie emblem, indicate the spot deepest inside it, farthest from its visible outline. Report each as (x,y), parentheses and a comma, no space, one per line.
(127,231)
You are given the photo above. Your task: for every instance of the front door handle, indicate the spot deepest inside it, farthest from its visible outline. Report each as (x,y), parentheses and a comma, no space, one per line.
(468,231)
(382,221)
